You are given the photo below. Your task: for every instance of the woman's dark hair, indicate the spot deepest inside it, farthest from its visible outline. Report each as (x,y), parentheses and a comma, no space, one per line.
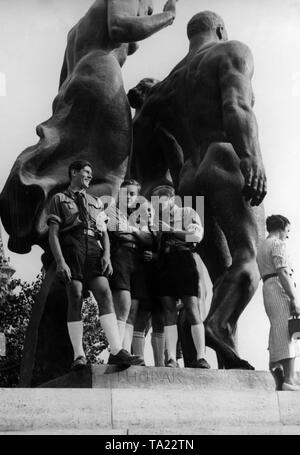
(77,166)
(276,222)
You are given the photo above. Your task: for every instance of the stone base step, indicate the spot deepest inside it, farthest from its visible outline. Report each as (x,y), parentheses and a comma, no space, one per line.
(148,400)
(278,429)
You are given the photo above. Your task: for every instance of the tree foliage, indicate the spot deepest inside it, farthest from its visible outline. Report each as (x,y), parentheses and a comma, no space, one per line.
(16,302)
(94,339)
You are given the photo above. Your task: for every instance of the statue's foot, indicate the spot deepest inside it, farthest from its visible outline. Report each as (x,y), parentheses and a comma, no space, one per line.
(217,339)
(239,364)
(224,348)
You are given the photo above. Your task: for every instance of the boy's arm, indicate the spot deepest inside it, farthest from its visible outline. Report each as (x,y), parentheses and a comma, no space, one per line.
(62,268)
(105,260)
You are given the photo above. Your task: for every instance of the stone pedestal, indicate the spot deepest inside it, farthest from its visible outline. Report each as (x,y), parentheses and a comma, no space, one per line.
(148,400)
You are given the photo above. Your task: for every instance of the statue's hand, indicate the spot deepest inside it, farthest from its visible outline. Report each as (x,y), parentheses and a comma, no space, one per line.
(255,187)
(171,6)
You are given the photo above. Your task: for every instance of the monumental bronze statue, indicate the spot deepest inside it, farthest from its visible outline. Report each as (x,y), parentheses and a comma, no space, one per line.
(91,116)
(198,124)
(91,120)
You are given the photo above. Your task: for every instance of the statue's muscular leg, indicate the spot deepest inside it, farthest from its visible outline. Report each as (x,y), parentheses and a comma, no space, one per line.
(213,251)
(221,181)
(216,256)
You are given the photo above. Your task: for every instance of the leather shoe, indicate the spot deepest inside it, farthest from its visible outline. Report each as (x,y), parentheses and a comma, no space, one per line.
(171,363)
(79,363)
(123,357)
(200,363)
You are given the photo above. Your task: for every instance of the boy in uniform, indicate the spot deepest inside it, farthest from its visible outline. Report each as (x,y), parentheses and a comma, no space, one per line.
(80,245)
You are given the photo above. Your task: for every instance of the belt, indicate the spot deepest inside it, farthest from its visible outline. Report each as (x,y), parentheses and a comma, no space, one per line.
(174,248)
(133,245)
(269,275)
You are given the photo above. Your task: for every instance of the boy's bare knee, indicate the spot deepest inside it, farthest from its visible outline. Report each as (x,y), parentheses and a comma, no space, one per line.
(103,294)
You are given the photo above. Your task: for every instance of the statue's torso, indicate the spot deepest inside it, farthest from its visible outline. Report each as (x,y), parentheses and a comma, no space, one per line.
(188,103)
(89,39)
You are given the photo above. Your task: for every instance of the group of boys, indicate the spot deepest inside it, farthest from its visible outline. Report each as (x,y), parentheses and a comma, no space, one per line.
(135,257)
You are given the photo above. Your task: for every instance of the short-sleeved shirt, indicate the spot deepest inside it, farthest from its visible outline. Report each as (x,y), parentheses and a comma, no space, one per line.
(272,255)
(81,252)
(122,225)
(64,211)
(187,219)
(127,261)
(134,219)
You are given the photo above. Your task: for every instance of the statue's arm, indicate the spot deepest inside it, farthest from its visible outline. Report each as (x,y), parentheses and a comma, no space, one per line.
(235,73)
(125,25)
(172,151)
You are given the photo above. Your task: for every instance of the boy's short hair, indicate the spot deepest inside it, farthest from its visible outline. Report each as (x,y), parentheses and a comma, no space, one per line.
(128,182)
(77,166)
(164,188)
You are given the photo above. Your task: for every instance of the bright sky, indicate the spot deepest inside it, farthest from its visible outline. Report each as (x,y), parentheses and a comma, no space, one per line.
(33,38)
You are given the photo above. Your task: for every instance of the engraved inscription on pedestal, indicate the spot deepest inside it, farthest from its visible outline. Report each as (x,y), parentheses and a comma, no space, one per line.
(149,377)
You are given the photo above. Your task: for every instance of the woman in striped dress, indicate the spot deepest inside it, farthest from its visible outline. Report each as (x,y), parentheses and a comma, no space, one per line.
(279,295)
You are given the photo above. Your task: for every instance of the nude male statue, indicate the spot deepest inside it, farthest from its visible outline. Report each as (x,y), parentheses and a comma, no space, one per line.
(199,123)
(91,117)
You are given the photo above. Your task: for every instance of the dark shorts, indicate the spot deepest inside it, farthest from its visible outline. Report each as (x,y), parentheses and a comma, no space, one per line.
(179,275)
(151,304)
(152,278)
(83,255)
(128,272)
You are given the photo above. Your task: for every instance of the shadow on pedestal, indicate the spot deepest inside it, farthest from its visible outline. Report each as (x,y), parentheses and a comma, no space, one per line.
(162,378)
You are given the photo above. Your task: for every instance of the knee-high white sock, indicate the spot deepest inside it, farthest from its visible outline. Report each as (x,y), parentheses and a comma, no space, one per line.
(138,343)
(75,330)
(198,335)
(121,325)
(158,346)
(127,341)
(171,335)
(110,327)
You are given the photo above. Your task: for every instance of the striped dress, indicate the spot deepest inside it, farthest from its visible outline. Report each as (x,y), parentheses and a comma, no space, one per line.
(272,256)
